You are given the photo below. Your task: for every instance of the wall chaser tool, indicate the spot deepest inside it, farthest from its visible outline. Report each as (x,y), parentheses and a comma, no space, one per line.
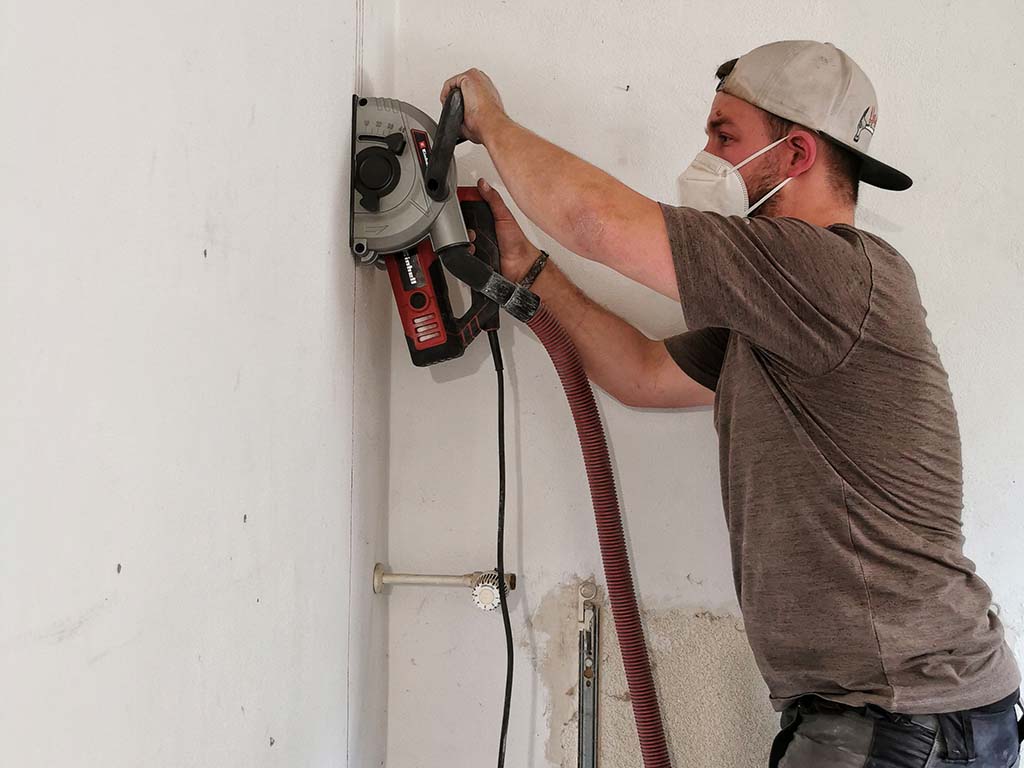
(408,214)
(405,217)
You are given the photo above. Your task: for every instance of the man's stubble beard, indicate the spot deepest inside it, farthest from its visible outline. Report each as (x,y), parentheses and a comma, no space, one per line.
(763,183)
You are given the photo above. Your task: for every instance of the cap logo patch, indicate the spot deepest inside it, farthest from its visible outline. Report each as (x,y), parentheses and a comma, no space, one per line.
(867,123)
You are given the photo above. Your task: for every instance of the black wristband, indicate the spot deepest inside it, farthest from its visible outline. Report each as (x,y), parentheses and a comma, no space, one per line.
(535,270)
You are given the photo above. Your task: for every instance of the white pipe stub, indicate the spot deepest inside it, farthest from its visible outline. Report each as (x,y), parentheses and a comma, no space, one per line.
(383,578)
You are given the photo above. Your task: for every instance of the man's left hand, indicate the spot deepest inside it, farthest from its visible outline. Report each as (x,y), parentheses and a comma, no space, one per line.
(482,106)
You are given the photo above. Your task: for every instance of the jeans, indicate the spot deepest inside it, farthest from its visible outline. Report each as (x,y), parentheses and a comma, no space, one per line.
(820,734)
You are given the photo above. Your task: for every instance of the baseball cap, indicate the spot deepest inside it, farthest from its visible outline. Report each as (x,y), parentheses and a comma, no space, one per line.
(819,86)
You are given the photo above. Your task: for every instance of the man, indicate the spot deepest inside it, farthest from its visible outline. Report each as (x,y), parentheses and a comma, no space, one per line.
(839,446)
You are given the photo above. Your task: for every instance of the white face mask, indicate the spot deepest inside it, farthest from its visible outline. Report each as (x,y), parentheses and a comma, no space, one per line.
(713,184)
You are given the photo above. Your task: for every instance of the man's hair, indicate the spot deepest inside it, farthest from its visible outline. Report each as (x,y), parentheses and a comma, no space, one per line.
(843,166)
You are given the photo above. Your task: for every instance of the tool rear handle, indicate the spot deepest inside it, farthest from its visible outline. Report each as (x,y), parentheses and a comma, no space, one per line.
(483,314)
(448,126)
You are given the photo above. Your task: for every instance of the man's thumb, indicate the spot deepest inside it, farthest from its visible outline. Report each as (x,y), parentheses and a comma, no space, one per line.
(493,199)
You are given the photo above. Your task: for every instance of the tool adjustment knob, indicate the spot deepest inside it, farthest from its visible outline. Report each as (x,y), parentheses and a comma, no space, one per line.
(377,172)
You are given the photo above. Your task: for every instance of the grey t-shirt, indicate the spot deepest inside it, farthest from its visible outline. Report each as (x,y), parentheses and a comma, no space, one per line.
(840,465)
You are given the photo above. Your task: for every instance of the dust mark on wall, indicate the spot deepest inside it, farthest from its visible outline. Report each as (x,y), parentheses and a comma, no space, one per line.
(97,657)
(713,699)
(66,628)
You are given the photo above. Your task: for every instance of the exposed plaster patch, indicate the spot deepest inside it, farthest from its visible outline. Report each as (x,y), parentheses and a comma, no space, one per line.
(554,655)
(713,700)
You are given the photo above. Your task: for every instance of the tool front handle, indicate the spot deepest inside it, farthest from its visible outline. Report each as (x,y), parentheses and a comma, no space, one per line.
(447,137)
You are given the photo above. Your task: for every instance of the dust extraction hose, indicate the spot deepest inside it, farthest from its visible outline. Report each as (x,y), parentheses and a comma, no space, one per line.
(610,536)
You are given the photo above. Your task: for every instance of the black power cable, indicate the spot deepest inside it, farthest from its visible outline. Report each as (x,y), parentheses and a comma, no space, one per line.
(499,368)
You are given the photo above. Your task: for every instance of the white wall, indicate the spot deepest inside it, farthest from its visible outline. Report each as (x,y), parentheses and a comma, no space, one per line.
(177,336)
(627,86)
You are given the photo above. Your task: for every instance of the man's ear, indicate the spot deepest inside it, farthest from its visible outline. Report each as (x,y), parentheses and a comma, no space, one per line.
(804,147)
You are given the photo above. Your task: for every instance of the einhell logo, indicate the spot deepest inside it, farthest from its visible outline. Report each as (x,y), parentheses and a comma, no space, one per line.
(410,272)
(867,123)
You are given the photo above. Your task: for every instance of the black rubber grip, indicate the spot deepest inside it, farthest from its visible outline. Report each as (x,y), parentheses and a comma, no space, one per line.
(447,137)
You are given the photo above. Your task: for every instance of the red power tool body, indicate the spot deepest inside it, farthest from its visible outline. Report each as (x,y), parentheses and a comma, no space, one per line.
(432,331)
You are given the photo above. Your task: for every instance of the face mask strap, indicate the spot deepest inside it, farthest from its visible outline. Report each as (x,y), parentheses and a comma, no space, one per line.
(778,186)
(761,152)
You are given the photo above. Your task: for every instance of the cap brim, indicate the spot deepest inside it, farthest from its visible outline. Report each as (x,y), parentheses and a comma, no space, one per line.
(875,172)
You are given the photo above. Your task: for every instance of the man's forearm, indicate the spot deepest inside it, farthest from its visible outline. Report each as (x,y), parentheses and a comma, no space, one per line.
(567,197)
(615,354)
(586,210)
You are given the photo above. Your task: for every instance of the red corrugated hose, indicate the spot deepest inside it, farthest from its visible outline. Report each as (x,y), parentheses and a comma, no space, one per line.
(617,572)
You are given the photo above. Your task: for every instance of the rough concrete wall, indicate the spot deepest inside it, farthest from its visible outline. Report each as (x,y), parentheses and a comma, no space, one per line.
(715,701)
(627,85)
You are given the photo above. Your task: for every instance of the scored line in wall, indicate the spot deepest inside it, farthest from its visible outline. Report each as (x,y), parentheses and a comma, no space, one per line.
(360,29)
(357,88)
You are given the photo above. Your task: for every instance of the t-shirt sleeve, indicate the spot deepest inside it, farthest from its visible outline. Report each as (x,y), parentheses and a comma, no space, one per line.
(700,354)
(798,292)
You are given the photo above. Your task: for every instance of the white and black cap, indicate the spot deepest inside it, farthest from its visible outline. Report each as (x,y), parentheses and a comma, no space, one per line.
(819,86)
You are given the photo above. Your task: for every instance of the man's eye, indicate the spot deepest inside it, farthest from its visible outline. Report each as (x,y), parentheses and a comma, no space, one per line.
(723,138)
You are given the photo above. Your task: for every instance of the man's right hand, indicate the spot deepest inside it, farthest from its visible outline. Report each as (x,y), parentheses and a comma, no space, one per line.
(618,358)
(481,103)
(517,252)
